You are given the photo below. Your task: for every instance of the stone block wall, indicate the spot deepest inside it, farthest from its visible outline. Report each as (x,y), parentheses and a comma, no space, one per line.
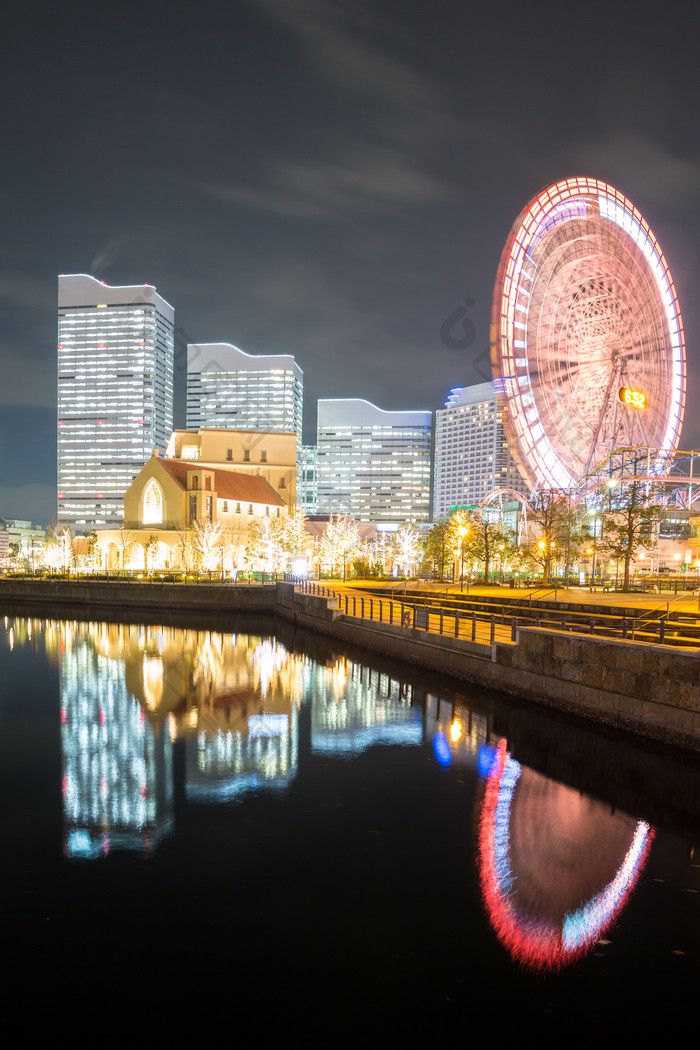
(655,688)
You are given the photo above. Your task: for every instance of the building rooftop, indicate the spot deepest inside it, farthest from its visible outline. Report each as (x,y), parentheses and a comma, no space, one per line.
(228,484)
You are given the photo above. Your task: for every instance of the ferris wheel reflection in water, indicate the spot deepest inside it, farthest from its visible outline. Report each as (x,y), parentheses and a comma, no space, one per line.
(556,869)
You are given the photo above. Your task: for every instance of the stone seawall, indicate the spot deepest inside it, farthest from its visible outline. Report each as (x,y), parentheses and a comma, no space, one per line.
(141,594)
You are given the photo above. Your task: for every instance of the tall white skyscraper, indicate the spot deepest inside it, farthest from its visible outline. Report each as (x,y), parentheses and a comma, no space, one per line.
(371,464)
(115,393)
(229,389)
(472,457)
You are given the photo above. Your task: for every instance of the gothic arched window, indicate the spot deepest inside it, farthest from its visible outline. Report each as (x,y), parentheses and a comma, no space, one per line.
(153,504)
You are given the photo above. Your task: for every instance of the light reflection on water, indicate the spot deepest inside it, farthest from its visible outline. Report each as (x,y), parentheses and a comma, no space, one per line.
(246,712)
(556,867)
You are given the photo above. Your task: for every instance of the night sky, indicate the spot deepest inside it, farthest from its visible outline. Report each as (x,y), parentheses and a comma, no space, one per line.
(328,179)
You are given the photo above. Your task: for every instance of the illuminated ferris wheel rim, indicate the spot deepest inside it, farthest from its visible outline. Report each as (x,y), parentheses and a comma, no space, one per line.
(534,444)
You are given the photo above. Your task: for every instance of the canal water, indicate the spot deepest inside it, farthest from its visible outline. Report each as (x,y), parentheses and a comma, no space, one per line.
(236,829)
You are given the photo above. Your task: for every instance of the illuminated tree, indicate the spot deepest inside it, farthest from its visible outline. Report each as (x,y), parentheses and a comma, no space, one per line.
(59,550)
(186,548)
(553,513)
(151,549)
(375,557)
(207,538)
(339,542)
(93,558)
(265,550)
(407,545)
(126,543)
(294,538)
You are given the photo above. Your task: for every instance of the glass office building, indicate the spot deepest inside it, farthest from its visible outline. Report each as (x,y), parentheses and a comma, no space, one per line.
(371,464)
(229,389)
(472,457)
(115,394)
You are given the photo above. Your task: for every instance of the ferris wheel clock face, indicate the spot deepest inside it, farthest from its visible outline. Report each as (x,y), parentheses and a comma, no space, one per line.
(587,346)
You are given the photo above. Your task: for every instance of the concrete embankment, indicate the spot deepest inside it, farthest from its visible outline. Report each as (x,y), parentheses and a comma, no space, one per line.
(652,690)
(141,594)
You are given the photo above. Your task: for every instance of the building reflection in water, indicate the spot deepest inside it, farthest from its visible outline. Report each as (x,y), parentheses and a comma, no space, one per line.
(129,693)
(355,707)
(233,699)
(117,766)
(556,866)
(458,733)
(241,719)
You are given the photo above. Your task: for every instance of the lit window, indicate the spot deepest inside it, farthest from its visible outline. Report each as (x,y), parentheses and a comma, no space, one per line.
(153,504)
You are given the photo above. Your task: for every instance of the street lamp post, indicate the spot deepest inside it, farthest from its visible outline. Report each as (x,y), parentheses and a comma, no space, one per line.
(463,531)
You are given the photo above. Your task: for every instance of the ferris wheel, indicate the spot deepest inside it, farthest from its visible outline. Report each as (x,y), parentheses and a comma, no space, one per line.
(587,346)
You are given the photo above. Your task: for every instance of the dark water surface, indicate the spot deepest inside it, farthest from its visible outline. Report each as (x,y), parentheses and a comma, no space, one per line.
(249,833)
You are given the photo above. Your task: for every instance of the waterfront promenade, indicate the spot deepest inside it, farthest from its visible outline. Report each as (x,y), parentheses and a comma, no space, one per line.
(634,666)
(685,601)
(493,613)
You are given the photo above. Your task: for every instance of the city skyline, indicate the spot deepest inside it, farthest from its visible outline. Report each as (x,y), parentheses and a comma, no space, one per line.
(334,183)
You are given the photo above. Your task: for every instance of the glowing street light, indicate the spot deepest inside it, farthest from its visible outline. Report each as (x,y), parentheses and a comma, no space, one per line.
(463,531)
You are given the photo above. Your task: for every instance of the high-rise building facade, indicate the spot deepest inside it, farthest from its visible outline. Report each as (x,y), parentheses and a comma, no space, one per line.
(472,457)
(115,393)
(307,480)
(229,389)
(371,464)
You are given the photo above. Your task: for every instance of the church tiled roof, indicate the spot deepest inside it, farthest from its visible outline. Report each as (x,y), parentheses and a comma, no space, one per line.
(227,483)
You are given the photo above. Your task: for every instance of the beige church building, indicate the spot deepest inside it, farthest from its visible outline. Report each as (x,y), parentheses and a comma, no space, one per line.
(215,481)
